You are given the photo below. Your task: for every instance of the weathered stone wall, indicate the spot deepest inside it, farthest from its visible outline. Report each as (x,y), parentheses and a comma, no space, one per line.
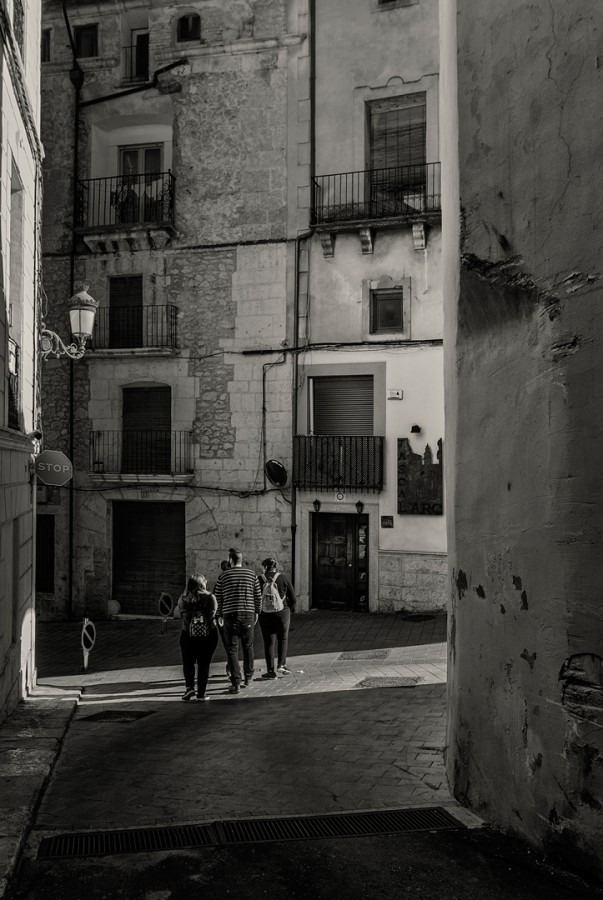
(412,582)
(526,689)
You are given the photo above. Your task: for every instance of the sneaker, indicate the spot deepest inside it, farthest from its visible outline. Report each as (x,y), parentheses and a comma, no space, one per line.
(234,689)
(247,682)
(270,674)
(284,670)
(188,695)
(202,697)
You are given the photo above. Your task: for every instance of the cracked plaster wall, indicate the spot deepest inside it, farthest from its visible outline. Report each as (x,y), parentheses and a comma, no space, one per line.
(524,427)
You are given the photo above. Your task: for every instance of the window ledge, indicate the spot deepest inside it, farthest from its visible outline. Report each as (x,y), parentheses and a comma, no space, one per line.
(116,478)
(121,352)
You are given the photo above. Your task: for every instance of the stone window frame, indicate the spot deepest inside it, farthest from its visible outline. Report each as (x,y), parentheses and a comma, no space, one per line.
(316,370)
(386,284)
(185,14)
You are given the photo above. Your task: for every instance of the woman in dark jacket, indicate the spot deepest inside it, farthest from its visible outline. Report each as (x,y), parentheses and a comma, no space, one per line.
(275,622)
(199,635)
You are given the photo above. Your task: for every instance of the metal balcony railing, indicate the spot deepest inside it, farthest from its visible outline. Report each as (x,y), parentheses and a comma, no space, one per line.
(136,62)
(126,200)
(135,326)
(404,192)
(344,462)
(141,452)
(14,393)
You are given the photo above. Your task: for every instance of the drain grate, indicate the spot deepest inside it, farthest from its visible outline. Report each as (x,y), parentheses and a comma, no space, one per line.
(292,828)
(389,682)
(116,715)
(364,654)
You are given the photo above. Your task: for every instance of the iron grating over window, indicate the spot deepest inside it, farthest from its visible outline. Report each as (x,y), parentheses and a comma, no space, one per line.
(285,828)
(323,462)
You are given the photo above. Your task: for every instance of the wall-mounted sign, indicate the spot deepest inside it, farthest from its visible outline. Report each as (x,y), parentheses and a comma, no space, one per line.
(52,467)
(340,496)
(387,521)
(420,483)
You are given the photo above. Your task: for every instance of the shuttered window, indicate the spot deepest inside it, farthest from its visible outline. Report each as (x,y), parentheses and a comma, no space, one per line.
(45,554)
(342,405)
(397,131)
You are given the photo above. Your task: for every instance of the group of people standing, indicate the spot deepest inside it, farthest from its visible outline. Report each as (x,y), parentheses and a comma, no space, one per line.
(239,600)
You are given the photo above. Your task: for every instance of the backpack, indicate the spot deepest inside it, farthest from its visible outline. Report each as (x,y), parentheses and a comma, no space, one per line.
(271,599)
(198,626)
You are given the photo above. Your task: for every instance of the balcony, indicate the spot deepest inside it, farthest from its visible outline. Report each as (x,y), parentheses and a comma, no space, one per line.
(386,197)
(141,453)
(326,463)
(126,211)
(135,327)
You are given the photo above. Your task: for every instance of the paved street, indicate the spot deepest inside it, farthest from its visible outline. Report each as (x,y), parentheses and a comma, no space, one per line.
(358,725)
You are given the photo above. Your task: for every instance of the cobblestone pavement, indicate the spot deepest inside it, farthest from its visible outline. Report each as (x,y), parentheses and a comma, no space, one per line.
(358,724)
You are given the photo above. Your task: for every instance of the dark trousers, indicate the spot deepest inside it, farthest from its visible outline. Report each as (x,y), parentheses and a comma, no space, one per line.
(239,629)
(197,651)
(275,631)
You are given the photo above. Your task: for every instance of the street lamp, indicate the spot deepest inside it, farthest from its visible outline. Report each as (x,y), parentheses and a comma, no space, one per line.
(81,317)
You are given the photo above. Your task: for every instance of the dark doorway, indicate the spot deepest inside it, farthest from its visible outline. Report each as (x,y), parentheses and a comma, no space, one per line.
(147,414)
(125,311)
(340,561)
(148,554)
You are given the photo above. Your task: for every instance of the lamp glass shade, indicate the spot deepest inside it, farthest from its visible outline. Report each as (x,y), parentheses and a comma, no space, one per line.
(82,314)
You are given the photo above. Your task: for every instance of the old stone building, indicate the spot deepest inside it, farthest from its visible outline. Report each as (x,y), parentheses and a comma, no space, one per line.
(524,381)
(256,305)
(20,178)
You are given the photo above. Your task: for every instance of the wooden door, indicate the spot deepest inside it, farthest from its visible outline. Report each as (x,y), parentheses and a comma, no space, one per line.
(340,561)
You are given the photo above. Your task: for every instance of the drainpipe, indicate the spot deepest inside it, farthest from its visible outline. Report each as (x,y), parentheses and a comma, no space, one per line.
(298,240)
(265,367)
(76,76)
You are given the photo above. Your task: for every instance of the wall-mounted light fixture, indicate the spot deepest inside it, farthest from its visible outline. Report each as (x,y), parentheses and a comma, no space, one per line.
(81,316)
(416,429)
(359,507)
(316,505)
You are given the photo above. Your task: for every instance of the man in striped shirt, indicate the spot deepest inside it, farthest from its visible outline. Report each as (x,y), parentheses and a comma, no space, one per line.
(239,597)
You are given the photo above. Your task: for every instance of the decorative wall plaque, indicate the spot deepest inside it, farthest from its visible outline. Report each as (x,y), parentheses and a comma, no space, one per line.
(387,521)
(420,482)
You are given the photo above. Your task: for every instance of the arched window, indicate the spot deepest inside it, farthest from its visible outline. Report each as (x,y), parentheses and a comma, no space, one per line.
(189,28)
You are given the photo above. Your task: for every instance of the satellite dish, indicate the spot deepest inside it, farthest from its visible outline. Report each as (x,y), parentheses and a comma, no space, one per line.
(276,473)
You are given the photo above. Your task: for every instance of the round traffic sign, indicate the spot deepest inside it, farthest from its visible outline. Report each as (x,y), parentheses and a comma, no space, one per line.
(88,635)
(53,467)
(166,605)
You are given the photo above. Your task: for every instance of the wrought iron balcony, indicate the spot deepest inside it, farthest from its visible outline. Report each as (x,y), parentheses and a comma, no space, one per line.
(124,201)
(401,192)
(322,462)
(141,452)
(136,62)
(135,326)
(14,393)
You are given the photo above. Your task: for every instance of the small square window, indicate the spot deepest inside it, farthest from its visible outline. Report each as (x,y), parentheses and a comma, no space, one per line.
(189,28)
(86,41)
(387,311)
(45,49)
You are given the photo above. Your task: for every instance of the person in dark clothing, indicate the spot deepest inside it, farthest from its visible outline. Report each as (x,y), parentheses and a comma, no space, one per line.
(199,635)
(239,597)
(275,617)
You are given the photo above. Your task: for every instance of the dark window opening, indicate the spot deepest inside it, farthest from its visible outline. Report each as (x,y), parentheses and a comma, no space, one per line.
(45,554)
(125,311)
(45,48)
(387,311)
(189,28)
(86,41)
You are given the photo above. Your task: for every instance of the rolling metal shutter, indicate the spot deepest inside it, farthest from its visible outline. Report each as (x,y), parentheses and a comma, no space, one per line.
(342,405)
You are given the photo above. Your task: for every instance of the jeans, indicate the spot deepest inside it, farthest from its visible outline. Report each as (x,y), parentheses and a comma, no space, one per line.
(275,630)
(239,628)
(199,651)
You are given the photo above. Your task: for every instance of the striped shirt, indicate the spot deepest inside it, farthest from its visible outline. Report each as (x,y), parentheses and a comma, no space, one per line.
(238,592)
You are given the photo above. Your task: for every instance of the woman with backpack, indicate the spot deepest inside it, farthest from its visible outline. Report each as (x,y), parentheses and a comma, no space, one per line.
(278,602)
(199,635)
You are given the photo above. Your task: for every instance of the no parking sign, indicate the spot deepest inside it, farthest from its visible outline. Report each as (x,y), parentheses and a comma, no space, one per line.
(88,639)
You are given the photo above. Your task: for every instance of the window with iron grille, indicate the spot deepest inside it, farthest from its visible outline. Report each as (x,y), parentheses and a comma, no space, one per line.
(86,41)
(45,554)
(342,405)
(45,45)
(19,23)
(189,28)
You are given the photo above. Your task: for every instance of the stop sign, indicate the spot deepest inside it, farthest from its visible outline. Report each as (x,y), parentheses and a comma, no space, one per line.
(53,467)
